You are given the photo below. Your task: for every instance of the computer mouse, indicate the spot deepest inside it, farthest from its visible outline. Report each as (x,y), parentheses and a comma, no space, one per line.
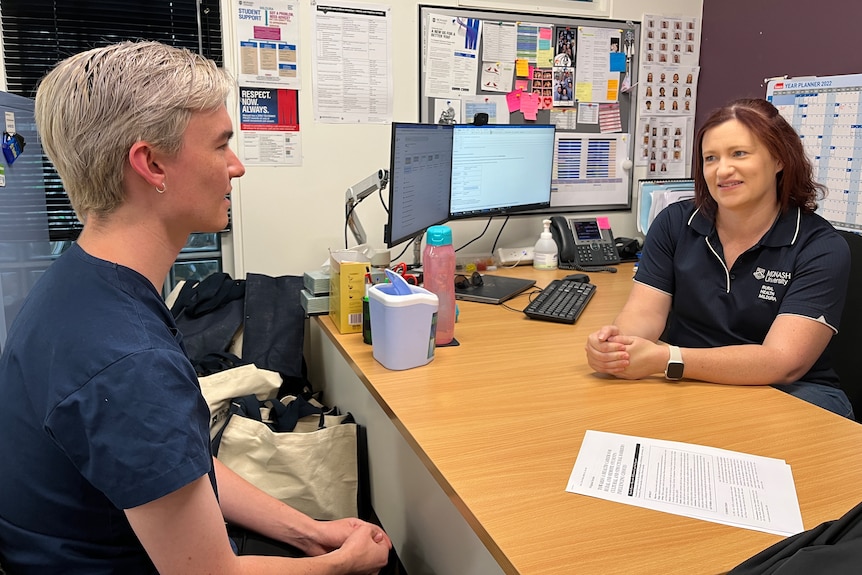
(583,278)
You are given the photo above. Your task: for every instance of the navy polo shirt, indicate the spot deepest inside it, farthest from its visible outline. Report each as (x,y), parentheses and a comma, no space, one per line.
(800,267)
(101,411)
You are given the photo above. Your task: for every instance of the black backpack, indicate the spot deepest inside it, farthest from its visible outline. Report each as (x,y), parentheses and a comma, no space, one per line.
(833,547)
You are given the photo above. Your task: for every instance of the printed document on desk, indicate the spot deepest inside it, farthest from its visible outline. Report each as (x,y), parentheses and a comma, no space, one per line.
(692,480)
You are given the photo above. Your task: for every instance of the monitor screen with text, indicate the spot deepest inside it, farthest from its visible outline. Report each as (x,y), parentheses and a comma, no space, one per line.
(501,169)
(419,179)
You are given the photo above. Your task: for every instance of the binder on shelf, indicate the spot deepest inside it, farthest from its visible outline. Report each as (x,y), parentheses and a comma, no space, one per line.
(656,194)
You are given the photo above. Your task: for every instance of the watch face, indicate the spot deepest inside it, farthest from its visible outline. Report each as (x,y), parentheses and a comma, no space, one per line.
(674,370)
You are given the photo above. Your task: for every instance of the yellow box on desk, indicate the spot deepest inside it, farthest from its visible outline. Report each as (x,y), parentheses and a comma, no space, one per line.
(346,289)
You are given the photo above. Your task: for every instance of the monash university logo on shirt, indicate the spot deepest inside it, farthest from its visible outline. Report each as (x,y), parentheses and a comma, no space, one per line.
(767,292)
(772,276)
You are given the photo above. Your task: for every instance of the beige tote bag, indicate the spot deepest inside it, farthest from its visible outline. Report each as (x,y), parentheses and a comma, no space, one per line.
(300,452)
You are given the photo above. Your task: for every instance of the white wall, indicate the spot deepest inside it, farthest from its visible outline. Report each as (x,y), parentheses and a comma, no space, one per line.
(286,218)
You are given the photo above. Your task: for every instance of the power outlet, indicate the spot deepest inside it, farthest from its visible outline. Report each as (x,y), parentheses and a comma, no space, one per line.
(515,256)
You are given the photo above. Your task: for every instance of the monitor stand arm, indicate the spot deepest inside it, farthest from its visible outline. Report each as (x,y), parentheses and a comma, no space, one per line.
(358,192)
(417,251)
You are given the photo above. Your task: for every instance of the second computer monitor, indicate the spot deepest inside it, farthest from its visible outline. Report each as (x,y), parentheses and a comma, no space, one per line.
(419,179)
(501,169)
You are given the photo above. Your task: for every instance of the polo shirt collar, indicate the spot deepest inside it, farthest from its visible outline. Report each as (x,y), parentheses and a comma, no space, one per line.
(784,232)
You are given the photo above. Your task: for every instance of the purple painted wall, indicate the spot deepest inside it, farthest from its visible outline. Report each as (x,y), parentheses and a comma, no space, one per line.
(745,41)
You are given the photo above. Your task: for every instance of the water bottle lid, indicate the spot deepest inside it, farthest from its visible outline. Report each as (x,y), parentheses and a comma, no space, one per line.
(439,236)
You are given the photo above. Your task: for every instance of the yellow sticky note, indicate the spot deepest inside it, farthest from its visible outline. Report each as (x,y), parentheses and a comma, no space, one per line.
(584,91)
(613,90)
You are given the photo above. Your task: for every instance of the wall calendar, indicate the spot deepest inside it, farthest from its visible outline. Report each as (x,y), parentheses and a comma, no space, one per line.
(826,112)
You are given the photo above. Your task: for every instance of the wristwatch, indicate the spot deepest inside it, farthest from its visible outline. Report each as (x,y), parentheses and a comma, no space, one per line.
(675,366)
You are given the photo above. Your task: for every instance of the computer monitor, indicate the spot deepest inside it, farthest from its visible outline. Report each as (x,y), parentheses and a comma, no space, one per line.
(420,172)
(501,169)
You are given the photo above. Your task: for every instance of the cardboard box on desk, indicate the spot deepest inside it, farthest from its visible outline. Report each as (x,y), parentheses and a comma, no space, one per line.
(346,289)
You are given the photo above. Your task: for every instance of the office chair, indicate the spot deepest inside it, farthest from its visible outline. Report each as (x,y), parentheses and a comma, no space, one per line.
(844,347)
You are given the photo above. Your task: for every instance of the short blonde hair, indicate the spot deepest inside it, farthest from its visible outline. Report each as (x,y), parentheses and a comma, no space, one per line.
(93,106)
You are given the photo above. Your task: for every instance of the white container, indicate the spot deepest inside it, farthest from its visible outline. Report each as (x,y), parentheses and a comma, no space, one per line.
(545,250)
(403,326)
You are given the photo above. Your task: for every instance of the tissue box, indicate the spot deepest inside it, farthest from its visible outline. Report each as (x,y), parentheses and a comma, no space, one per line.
(347,271)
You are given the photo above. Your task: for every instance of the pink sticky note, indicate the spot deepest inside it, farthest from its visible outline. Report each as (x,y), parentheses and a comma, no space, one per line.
(604,223)
(513,100)
(530,105)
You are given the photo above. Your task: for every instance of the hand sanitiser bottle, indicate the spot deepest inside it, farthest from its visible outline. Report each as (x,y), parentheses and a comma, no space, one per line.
(545,251)
(438,271)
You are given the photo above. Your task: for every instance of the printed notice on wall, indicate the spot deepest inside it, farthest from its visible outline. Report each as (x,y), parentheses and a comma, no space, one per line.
(706,483)
(269,127)
(589,167)
(268,37)
(352,70)
(451,56)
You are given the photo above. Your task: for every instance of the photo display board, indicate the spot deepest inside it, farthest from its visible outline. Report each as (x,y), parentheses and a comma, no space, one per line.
(513,68)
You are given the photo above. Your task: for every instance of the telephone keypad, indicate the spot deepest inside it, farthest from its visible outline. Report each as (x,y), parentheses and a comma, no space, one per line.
(596,252)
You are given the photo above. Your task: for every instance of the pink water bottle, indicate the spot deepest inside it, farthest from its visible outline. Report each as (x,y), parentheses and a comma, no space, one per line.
(438,271)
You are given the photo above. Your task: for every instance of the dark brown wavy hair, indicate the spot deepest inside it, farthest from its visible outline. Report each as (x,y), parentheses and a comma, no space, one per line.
(794,183)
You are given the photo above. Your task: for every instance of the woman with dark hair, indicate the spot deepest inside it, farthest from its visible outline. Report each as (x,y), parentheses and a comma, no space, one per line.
(745,284)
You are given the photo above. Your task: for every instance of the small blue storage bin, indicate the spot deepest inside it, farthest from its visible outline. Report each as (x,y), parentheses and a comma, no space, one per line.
(403,326)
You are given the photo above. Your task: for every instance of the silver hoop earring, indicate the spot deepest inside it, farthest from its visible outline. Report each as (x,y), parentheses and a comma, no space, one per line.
(163,188)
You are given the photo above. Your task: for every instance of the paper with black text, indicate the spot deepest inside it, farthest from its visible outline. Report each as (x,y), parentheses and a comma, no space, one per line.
(692,480)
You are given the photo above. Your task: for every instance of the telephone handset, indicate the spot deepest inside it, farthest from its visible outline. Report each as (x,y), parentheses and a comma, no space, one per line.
(583,245)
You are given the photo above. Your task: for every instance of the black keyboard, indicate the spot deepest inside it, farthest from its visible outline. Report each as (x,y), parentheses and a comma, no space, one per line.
(562,301)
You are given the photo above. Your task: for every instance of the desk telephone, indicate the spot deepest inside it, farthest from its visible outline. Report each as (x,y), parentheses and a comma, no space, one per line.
(583,245)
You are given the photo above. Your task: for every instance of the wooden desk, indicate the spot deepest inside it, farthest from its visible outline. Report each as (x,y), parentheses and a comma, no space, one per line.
(470,455)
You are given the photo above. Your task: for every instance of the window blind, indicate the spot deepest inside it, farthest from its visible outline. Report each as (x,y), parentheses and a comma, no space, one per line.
(39,33)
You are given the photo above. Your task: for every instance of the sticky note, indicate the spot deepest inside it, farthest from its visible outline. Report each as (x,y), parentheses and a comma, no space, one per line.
(604,223)
(513,100)
(584,91)
(618,62)
(529,105)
